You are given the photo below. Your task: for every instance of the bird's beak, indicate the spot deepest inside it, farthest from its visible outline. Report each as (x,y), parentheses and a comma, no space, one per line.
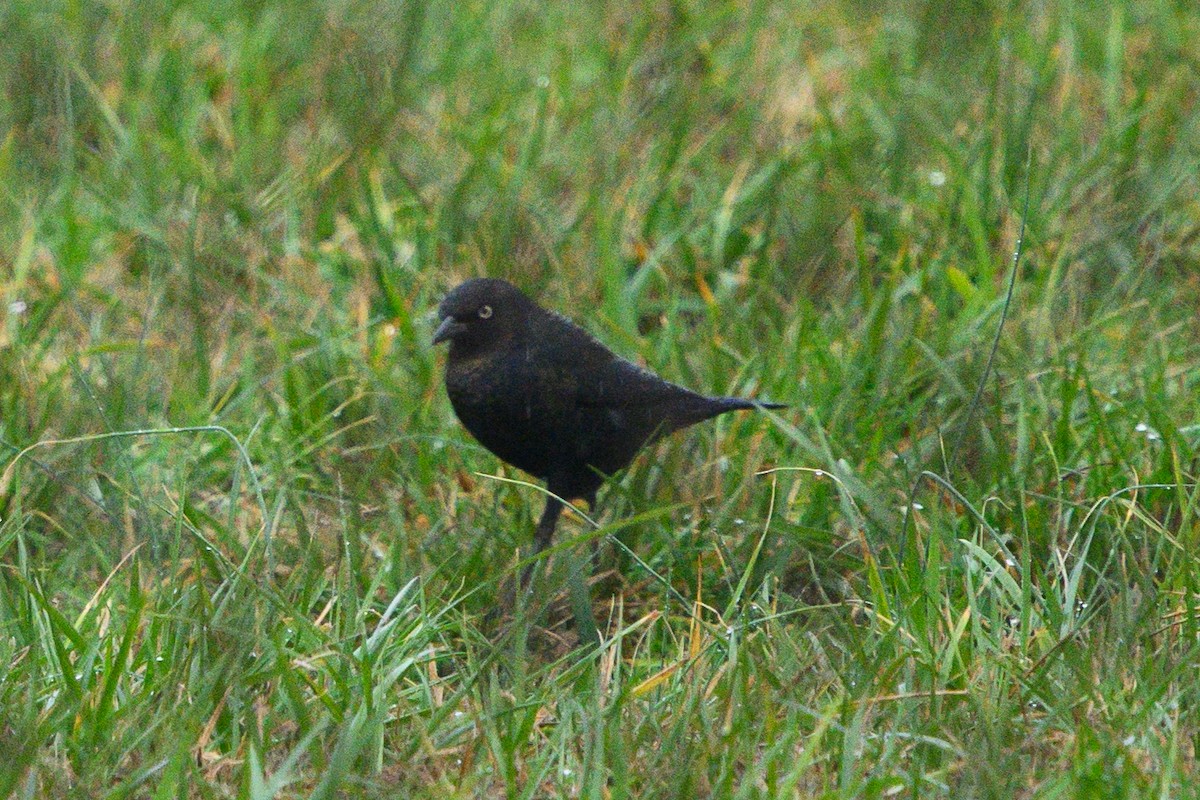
(449,328)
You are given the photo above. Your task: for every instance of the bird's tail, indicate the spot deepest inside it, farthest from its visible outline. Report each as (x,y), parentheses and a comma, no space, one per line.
(724,404)
(709,407)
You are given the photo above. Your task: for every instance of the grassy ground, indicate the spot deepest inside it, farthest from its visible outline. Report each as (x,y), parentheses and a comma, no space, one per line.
(925,579)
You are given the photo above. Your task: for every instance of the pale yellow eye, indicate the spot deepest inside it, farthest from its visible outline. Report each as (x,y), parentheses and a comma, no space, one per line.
(485,312)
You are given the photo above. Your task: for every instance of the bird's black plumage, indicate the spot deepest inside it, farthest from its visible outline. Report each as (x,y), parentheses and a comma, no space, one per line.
(543,395)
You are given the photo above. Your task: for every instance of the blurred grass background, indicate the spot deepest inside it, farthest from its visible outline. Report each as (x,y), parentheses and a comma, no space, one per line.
(240,216)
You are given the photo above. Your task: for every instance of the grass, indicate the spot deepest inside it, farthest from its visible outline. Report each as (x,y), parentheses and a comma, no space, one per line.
(246,550)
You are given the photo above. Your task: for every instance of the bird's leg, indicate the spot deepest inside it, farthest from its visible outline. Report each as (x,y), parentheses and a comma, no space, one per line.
(591,501)
(547,524)
(543,533)
(577,583)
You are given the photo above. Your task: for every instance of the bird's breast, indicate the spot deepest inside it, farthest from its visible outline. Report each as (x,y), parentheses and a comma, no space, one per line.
(511,409)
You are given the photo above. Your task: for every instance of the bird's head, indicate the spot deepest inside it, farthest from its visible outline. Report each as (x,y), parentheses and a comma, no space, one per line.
(479,313)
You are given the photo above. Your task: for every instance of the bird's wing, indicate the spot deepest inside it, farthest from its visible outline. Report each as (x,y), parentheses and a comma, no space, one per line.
(599,378)
(619,383)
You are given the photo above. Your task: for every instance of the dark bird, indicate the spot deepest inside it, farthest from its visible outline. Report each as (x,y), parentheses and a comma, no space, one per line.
(543,395)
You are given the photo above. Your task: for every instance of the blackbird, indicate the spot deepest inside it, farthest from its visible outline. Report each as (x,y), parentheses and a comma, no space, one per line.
(543,395)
